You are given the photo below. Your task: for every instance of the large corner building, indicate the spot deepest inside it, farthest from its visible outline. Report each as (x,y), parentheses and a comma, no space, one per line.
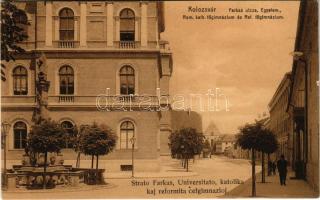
(91,48)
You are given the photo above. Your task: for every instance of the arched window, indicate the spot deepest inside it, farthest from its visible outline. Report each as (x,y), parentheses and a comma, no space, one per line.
(68,126)
(127,80)
(126,133)
(66,16)
(66,76)
(20,81)
(127,25)
(20,135)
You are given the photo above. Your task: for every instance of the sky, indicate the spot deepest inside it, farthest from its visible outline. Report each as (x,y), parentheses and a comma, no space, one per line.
(246,59)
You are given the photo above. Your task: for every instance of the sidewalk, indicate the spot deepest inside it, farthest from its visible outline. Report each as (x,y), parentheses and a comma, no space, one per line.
(272,188)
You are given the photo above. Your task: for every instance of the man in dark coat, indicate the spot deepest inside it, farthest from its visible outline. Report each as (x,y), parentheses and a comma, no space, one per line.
(282,169)
(274,167)
(270,168)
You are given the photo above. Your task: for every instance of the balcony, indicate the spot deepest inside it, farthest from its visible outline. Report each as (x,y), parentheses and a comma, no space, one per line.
(95,45)
(66,99)
(128,45)
(67,44)
(104,102)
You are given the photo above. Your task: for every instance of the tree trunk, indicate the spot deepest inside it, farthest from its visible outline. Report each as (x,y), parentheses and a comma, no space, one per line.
(45,170)
(97,170)
(78,160)
(269,169)
(97,162)
(253,160)
(92,159)
(263,178)
(187,161)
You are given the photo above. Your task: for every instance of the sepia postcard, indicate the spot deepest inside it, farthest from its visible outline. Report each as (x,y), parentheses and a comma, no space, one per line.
(159,99)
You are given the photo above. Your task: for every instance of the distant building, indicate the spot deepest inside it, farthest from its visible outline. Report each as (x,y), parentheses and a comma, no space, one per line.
(279,122)
(224,142)
(212,134)
(241,153)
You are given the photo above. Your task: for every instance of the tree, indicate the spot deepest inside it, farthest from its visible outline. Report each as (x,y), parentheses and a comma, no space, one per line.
(268,145)
(48,136)
(12,32)
(185,144)
(96,140)
(248,138)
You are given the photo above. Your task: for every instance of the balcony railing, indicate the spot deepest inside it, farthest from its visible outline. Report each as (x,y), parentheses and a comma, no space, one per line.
(67,44)
(66,99)
(103,101)
(127,45)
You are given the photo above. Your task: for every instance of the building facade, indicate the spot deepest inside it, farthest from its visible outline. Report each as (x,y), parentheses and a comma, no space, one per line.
(304,97)
(279,121)
(105,63)
(224,142)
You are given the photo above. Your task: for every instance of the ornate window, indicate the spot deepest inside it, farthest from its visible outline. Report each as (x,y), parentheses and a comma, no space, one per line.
(126,133)
(127,80)
(20,81)
(127,25)
(66,16)
(20,135)
(66,76)
(68,126)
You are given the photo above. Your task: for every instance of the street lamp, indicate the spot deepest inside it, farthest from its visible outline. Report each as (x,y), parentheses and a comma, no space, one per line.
(5,126)
(132,140)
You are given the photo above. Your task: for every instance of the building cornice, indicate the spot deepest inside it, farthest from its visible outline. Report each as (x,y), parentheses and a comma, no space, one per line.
(285,83)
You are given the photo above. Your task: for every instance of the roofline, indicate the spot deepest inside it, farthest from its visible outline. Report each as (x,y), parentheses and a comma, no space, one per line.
(286,77)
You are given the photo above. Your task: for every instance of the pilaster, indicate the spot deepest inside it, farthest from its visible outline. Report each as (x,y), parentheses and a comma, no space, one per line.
(110,24)
(144,24)
(48,40)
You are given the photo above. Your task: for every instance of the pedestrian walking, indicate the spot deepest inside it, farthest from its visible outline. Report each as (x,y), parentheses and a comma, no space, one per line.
(270,168)
(274,168)
(282,169)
